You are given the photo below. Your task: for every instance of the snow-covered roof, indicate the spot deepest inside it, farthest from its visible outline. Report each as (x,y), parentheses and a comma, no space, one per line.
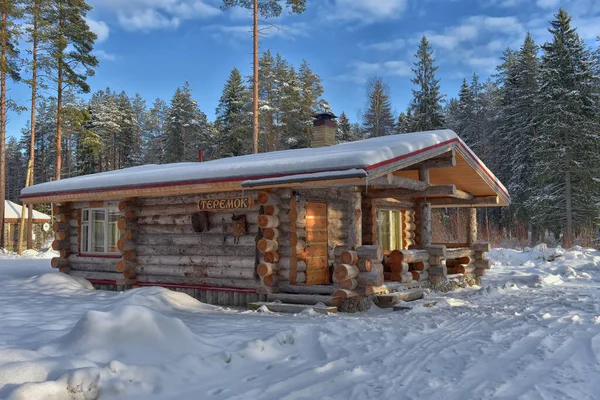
(13,211)
(365,155)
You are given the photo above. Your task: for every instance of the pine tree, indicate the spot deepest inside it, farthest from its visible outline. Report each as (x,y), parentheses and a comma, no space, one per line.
(568,145)
(233,118)
(268,101)
(266,9)
(140,126)
(89,145)
(185,128)
(106,122)
(426,105)
(72,43)
(378,120)
(10,11)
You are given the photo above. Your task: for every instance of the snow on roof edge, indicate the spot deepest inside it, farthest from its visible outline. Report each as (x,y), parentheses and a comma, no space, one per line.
(352,155)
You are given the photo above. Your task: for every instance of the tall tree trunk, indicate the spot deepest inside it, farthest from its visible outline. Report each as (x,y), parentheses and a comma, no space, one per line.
(57,171)
(3,130)
(255,89)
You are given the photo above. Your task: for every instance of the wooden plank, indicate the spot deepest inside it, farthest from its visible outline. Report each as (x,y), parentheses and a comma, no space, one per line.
(388,300)
(305,299)
(317,277)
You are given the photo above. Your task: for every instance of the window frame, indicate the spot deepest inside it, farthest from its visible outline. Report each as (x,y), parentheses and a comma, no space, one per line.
(87,246)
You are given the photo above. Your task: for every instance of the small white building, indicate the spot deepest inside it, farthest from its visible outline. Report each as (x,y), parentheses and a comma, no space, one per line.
(42,226)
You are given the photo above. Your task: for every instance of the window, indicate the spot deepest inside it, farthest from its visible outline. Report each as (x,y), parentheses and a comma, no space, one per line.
(389,223)
(99,230)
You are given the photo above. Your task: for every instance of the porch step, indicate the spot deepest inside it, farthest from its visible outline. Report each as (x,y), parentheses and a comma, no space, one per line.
(388,300)
(291,308)
(305,299)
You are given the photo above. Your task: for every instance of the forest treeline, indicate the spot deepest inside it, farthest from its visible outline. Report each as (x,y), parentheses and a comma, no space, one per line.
(535,123)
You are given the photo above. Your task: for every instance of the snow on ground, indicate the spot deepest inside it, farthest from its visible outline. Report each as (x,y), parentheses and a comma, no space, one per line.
(531,332)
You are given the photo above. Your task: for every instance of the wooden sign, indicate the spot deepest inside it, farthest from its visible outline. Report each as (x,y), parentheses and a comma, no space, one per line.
(225,204)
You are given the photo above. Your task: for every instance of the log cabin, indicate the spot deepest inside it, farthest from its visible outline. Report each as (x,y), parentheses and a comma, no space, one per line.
(323,224)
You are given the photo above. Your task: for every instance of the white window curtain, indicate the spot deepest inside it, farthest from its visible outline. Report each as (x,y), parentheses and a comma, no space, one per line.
(99,231)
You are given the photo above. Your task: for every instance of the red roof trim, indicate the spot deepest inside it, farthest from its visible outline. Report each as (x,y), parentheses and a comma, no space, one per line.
(224,180)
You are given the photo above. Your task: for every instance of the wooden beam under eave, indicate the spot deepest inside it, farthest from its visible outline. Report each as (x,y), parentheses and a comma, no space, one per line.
(398,182)
(476,201)
(402,194)
(445,160)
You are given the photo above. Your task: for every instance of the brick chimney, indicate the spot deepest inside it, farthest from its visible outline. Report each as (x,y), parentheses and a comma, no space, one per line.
(325,128)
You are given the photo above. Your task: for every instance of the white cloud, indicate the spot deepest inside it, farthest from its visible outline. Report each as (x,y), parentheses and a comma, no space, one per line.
(361,71)
(103,55)
(146,15)
(99,28)
(366,11)
(552,4)
(395,44)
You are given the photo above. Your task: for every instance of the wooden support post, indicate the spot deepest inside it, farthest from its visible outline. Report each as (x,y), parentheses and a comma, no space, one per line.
(355,228)
(472,227)
(425,225)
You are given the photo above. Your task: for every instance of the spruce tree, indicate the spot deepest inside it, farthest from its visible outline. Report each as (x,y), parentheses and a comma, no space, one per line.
(568,145)
(185,128)
(378,119)
(72,43)
(426,106)
(266,9)
(403,123)
(233,118)
(344,132)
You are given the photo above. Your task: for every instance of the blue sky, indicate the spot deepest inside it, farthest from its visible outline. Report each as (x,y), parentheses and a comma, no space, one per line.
(153,46)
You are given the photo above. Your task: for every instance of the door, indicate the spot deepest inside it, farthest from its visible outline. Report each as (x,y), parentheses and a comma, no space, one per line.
(317,265)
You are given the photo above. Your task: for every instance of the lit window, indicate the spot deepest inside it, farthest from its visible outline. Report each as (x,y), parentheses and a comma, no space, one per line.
(389,223)
(99,230)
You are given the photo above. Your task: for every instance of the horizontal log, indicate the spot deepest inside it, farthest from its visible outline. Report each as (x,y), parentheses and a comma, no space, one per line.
(124,245)
(482,264)
(479,255)
(437,250)
(364,265)
(370,278)
(285,263)
(459,253)
(412,256)
(61,245)
(392,181)
(208,261)
(285,274)
(456,269)
(128,234)
(480,272)
(204,239)
(61,227)
(370,252)
(124,265)
(109,276)
(452,245)
(129,255)
(266,269)
(265,245)
(349,257)
(269,280)
(452,262)
(196,280)
(305,299)
(271,233)
(402,267)
(482,246)
(58,262)
(345,294)
(271,209)
(349,284)
(370,290)
(420,275)
(388,300)
(419,266)
(343,272)
(61,235)
(404,277)
(196,250)
(194,271)
(316,289)
(268,221)
(125,224)
(271,257)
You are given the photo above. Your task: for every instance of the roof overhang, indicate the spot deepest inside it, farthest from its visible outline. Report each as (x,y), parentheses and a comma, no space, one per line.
(466,172)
